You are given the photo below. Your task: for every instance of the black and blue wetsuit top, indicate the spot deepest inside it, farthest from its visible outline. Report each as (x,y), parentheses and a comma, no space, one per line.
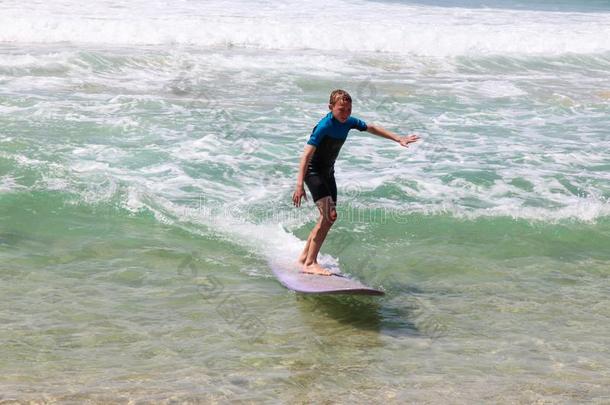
(328,137)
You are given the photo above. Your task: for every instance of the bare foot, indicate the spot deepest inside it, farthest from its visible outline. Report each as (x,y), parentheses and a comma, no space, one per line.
(301,260)
(315,268)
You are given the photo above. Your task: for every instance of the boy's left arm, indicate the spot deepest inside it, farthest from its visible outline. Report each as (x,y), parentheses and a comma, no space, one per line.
(384,133)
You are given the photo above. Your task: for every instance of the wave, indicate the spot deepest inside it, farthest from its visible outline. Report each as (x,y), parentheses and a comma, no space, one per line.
(161,190)
(396,28)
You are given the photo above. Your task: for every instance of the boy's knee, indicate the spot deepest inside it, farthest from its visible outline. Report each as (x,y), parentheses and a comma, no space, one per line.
(328,210)
(332,215)
(326,223)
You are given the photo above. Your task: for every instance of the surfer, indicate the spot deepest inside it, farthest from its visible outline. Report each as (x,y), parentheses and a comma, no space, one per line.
(316,169)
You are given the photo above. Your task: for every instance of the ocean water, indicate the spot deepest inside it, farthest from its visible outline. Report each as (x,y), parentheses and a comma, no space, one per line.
(149,151)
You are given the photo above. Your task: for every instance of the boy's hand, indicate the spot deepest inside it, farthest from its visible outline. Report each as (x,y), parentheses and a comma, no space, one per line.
(406,140)
(297,195)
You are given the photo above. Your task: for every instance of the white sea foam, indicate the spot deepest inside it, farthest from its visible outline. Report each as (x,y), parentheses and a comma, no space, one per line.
(9,184)
(309,25)
(496,88)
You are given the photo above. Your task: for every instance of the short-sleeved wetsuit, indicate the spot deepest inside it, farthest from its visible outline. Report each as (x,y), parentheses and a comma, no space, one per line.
(328,137)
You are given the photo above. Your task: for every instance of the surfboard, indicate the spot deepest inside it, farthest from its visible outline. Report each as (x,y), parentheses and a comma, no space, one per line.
(289,276)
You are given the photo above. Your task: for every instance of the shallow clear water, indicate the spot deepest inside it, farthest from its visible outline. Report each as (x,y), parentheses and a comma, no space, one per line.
(146,171)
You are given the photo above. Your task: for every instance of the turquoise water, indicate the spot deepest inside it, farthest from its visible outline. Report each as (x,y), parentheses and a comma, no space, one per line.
(146,174)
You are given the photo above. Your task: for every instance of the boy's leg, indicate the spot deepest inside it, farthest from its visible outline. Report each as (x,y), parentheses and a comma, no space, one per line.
(328,215)
(332,215)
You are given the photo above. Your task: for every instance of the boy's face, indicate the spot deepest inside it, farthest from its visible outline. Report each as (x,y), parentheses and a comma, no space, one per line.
(341,110)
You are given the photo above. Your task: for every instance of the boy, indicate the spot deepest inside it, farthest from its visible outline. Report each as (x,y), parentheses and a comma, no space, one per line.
(316,169)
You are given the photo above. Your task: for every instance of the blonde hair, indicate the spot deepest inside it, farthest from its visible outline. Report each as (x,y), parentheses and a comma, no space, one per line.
(339,94)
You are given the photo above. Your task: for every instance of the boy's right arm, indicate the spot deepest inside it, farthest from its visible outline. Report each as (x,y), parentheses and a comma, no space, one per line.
(300,190)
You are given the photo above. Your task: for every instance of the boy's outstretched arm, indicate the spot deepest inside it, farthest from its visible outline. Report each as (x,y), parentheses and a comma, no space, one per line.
(402,140)
(300,190)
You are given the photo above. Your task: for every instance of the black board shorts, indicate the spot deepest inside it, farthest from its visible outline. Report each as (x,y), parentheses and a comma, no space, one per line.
(321,185)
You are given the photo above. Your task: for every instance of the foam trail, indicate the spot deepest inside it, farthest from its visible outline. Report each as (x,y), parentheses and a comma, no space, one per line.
(268,239)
